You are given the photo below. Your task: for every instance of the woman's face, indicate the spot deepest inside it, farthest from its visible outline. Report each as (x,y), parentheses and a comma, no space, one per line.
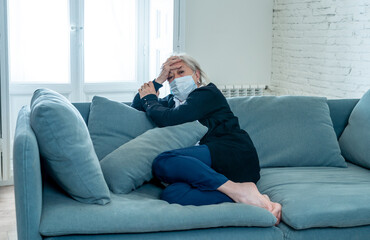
(183,70)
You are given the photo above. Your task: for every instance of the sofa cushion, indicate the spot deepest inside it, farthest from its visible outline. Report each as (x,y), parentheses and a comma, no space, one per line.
(291,131)
(351,233)
(355,139)
(112,124)
(340,110)
(130,165)
(319,196)
(141,211)
(66,147)
(232,233)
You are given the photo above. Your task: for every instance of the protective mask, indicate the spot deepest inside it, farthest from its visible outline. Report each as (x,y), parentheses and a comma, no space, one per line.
(181,87)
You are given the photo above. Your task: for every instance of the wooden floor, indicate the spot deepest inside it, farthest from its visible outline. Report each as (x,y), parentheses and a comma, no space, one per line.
(8,228)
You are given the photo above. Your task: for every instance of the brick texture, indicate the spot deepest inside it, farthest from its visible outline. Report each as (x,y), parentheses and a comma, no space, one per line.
(321,48)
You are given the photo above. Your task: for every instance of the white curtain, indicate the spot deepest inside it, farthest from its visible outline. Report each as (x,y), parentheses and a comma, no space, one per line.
(5,166)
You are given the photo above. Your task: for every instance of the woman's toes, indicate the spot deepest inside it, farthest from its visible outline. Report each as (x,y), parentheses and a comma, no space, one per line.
(276,212)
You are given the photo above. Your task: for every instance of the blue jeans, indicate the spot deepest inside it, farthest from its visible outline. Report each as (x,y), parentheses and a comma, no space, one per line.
(191,178)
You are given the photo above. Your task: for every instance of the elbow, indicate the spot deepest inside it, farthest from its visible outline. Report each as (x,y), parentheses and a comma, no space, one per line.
(160,121)
(154,119)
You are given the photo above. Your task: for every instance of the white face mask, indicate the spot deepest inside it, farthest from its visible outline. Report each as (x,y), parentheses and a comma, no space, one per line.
(181,87)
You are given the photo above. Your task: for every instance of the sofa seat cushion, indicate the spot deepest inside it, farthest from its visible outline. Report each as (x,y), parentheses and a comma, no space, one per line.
(232,233)
(350,233)
(319,196)
(140,211)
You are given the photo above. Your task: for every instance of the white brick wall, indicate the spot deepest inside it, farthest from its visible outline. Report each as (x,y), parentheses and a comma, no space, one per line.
(321,48)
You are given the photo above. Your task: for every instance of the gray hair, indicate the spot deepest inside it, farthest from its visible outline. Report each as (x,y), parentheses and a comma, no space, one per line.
(194,65)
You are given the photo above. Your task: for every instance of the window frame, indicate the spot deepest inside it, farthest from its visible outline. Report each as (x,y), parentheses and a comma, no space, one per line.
(77,79)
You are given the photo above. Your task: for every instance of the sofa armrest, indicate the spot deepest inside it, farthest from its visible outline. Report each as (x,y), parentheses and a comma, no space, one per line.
(27,178)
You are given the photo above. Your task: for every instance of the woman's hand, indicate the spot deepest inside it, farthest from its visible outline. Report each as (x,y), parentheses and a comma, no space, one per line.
(169,65)
(146,89)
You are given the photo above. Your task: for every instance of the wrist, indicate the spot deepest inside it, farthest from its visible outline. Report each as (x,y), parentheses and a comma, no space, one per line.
(160,81)
(157,85)
(147,99)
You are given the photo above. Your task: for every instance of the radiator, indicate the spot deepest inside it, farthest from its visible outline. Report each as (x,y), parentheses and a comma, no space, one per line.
(230,91)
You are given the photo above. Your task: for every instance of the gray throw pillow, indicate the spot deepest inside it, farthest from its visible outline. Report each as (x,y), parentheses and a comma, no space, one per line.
(66,147)
(289,131)
(355,139)
(129,166)
(112,124)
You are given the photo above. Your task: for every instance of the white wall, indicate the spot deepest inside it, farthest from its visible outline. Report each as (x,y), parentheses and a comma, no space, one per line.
(231,39)
(321,48)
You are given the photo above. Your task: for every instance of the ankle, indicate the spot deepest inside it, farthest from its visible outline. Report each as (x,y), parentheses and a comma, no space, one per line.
(227,188)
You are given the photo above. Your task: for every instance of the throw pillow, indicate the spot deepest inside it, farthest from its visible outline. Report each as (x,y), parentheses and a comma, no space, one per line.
(129,166)
(112,124)
(355,139)
(289,131)
(66,147)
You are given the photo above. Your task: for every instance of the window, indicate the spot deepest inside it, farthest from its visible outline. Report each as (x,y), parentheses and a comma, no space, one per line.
(39,41)
(110,36)
(81,48)
(88,42)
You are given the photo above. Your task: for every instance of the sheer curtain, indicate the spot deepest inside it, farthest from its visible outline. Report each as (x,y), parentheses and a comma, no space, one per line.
(5,172)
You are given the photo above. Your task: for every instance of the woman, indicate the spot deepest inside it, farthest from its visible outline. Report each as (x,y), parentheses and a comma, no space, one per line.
(224,167)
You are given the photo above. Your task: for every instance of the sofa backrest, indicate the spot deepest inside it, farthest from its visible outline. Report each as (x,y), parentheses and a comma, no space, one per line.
(340,110)
(84,109)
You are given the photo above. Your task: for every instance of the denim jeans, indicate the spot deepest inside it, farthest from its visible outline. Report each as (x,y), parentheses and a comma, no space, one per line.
(191,179)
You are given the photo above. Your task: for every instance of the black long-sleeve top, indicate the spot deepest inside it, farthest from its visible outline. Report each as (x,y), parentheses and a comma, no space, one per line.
(232,151)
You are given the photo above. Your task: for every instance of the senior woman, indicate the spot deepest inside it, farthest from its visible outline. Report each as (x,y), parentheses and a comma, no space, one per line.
(224,166)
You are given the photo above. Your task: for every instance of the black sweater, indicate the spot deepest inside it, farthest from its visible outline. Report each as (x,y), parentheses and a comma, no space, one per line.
(232,151)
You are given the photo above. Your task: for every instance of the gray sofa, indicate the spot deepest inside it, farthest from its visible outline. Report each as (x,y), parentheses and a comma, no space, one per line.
(319,202)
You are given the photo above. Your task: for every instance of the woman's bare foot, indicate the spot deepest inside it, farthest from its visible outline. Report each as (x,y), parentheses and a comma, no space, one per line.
(245,193)
(248,193)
